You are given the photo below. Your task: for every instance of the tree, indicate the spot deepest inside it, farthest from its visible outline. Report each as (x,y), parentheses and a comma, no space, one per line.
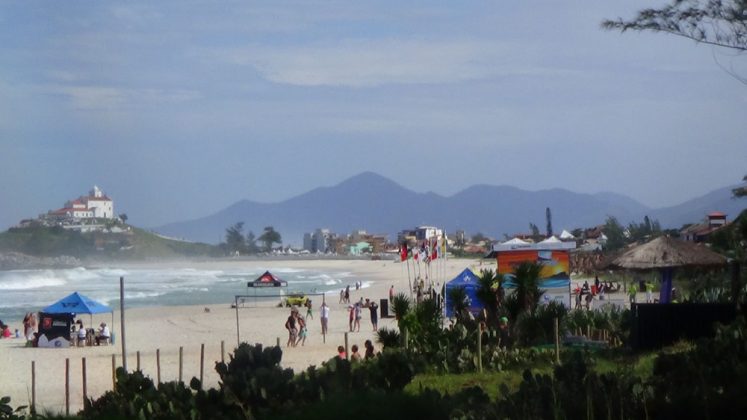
(722,23)
(615,234)
(479,237)
(548,216)
(123,217)
(489,292)
(717,22)
(251,243)
(527,280)
(536,236)
(235,242)
(741,191)
(269,237)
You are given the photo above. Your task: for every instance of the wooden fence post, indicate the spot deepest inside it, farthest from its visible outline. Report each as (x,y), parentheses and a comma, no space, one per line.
(202,363)
(557,340)
(158,366)
(347,354)
(114,371)
(222,351)
(85,389)
(67,387)
(33,387)
(137,355)
(181,362)
(479,348)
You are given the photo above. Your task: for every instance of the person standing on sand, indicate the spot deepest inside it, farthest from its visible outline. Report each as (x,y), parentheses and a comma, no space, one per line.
(309,313)
(302,331)
(373,307)
(351,317)
(347,294)
(391,294)
(358,315)
(632,291)
(355,357)
(369,354)
(324,310)
(290,325)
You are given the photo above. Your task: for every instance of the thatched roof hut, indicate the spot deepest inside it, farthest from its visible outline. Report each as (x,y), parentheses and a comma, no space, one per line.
(665,252)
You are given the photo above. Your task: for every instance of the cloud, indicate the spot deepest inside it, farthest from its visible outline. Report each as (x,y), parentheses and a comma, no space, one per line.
(94,97)
(366,63)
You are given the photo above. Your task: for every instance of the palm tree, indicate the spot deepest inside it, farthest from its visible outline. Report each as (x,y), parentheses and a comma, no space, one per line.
(527,280)
(488,292)
(401,305)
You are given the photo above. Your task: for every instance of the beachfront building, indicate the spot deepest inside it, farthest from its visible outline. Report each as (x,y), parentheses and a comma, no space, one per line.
(320,241)
(419,235)
(95,205)
(700,232)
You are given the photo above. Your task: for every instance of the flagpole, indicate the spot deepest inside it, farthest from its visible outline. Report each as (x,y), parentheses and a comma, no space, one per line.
(409,283)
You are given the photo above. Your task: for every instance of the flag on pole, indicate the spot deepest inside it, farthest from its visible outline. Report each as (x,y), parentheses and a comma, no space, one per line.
(403,252)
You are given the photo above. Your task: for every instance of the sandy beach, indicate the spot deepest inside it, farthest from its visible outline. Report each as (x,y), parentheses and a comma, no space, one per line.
(168,328)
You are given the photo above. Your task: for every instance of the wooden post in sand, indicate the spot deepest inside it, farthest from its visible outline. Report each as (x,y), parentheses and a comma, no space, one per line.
(114,371)
(202,362)
(277,341)
(181,362)
(158,366)
(33,387)
(122,322)
(85,390)
(222,351)
(67,387)
(236,305)
(137,355)
(347,354)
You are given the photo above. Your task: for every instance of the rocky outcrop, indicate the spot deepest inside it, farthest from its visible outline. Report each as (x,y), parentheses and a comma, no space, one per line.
(17,261)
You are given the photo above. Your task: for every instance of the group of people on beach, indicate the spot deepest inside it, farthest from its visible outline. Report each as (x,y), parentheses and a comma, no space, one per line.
(355,314)
(355,356)
(296,326)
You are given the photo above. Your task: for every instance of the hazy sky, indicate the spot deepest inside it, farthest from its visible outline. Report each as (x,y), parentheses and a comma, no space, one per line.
(177,109)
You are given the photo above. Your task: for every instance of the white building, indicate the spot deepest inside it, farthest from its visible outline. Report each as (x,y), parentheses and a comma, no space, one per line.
(95,205)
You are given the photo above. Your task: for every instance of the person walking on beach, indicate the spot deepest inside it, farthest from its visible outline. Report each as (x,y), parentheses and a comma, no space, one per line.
(347,294)
(324,311)
(291,326)
(391,294)
(309,312)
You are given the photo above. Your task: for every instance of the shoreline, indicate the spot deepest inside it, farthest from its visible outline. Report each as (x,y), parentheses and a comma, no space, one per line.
(167,328)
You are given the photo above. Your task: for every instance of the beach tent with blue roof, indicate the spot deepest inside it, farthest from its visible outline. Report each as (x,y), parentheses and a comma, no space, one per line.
(57,334)
(76,303)
(468,281)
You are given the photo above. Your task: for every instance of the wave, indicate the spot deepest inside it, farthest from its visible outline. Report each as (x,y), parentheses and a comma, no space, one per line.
(41,281)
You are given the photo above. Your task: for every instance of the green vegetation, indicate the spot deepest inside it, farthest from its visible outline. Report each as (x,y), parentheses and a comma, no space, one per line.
(130,243)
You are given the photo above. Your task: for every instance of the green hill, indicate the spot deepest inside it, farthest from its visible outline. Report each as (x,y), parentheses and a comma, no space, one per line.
(122,242)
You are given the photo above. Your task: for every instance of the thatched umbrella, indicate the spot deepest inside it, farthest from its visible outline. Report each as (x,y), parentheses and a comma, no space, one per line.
(666,254)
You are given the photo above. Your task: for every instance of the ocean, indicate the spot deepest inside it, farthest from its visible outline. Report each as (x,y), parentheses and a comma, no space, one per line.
(24,291)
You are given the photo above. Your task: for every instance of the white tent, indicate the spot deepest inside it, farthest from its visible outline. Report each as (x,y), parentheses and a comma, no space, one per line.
(514,243)
(565,235)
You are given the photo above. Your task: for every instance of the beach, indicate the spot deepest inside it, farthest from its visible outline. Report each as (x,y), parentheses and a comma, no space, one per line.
(166,329)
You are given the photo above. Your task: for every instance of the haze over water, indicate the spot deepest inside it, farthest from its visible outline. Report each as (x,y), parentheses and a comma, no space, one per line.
(31,290)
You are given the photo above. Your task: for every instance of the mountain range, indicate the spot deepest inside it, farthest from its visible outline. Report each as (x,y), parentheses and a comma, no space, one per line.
(379,205)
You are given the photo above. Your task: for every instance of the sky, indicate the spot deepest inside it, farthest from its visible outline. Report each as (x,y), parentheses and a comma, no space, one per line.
(177,109)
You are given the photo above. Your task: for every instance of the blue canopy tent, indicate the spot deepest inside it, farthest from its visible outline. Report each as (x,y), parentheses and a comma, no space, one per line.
(468,281)
(76,304)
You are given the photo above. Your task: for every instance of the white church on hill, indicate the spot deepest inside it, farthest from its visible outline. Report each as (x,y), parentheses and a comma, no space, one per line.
(95,205)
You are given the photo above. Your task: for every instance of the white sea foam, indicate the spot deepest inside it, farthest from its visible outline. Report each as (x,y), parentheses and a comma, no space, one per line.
(29,282)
